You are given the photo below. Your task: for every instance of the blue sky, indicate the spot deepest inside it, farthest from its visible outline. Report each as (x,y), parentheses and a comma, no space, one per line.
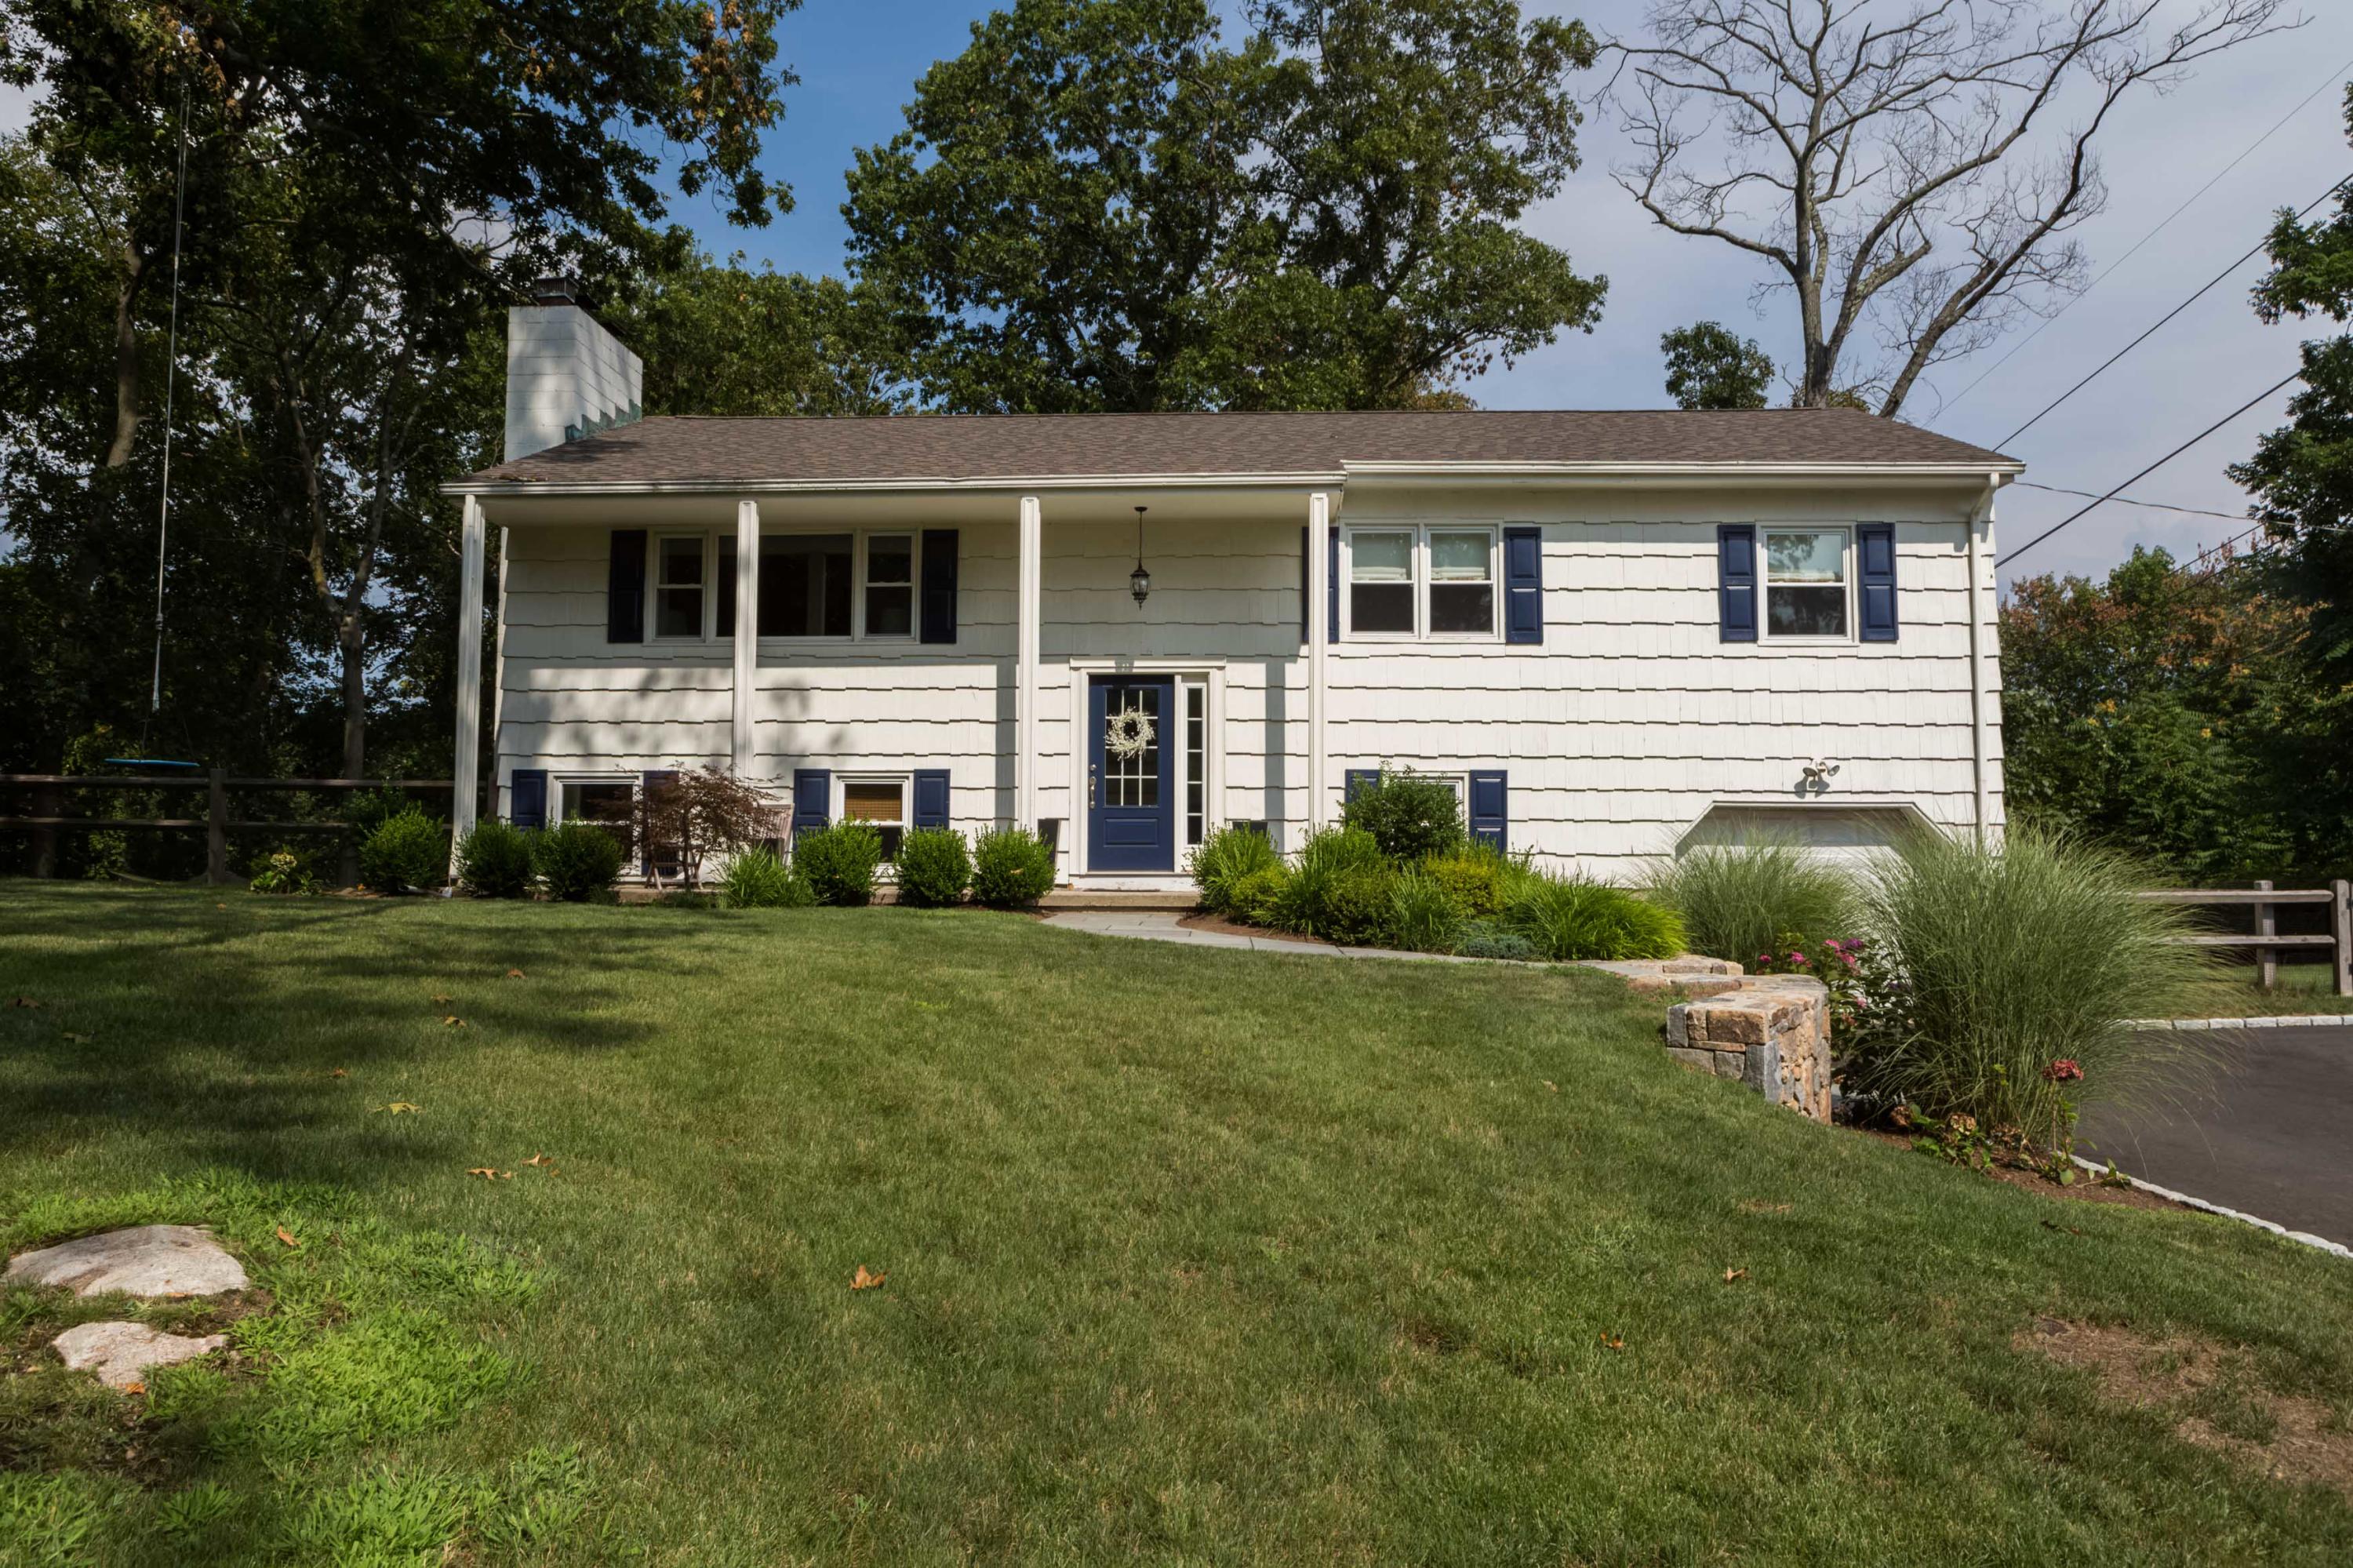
(858,61)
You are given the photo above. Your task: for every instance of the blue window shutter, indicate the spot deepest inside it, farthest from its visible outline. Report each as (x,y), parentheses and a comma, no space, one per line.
(1332,585)
(931,798)
(624,587)
(1735,582)
(1874,546)
(1306,576)
(1357,778)
(940,585)
(655,779)
(812,799)
(1491,811)
(527,798)
(1524,584)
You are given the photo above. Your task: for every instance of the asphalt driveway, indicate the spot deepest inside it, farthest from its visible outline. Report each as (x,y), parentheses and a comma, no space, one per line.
(2276,1141)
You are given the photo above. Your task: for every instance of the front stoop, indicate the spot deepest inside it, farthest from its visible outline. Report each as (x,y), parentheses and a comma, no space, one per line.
(1770,1032)
(1063,900)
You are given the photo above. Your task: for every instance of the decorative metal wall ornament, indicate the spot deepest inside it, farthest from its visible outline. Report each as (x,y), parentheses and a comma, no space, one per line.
(1139,581)
(1127,733)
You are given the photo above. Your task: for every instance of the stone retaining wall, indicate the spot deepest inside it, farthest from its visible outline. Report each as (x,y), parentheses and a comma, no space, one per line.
(1770,1032)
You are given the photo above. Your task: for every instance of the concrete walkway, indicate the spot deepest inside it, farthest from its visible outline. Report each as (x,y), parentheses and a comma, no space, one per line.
(1159,925)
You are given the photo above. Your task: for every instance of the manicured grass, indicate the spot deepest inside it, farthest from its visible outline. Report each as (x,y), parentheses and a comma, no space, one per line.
(1190,1256)
(2302,989)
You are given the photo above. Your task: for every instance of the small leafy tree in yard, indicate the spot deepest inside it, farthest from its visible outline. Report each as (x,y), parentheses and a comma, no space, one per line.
(1740,902)
(1224,859)
(576,860)
(934,867)
(756,879)
(1410,816)
(839,862)
(494,860)
(700,813)
(409,851)
(1011,867)
(2021,968)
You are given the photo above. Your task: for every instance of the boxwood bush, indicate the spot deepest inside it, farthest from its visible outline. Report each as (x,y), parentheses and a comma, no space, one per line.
(1011,867)
(1409,815)
(575,860)
(407,851)
(934,868)
(1257,897)
(839,862)
(494,860)
(1476,878)
(756,879)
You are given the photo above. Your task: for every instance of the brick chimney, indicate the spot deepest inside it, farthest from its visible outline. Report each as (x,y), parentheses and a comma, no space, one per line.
(566,375)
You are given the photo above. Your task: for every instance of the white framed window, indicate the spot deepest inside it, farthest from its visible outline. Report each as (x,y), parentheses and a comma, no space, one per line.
(1428,582)
(607,800)
(878,799)
(841,586)
(1193,703)
(1808,583)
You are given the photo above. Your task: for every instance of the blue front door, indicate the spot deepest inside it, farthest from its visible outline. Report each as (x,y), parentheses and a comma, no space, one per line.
(1130,803)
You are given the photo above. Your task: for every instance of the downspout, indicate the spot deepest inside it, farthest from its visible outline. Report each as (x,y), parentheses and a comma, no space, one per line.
(1980,541)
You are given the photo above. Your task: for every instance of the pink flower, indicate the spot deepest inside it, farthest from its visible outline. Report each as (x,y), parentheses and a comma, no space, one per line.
(2066,1070)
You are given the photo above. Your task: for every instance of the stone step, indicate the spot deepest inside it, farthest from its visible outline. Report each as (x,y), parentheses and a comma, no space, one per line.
(1063,900)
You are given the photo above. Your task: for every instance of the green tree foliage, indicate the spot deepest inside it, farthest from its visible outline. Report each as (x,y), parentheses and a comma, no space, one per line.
(2178,714)
(1709,366)
(1103,206)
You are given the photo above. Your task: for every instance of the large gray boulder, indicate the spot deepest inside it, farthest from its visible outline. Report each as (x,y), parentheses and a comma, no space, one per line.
(147,1260)
(122,1353)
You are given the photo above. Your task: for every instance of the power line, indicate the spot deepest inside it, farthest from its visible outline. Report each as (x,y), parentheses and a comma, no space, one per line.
(2168,316)
(2152,468)
(2152,234)
(2132,501)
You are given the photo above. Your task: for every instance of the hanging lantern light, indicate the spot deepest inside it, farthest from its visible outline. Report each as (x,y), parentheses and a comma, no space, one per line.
(1139,581)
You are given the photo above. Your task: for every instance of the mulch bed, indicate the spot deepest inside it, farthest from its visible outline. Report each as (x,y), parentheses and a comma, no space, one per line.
(1225,928)
(2084,1188)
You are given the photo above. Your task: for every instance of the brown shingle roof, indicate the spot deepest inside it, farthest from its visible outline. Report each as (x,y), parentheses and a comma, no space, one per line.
(670,450)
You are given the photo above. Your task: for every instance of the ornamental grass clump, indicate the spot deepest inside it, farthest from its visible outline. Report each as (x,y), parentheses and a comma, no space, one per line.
(2020,969)
(1565,918)
(1422,915)
(1739,901)
(1327,855)
(1224,859)
(757,879)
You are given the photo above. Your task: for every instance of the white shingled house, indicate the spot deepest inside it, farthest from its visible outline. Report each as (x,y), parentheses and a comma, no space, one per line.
(1620,633)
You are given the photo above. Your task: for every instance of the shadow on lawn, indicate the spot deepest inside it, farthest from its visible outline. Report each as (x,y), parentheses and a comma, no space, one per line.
(142,993)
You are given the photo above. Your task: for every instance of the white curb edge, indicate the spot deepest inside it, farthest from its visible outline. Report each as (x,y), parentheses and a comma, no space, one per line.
(2186,1201)
(2282,1020)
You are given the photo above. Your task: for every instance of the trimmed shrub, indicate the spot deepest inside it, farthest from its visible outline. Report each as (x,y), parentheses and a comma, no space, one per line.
(839,862)
(1568,917)
(1011,867)
(934,867)
(1411,816)
(576,860)
(1421,915)
(1257,897)
(494,860)
(1487,939)
(756,879)
(1223,859)
(1476,879)
(406,852)
(1324,854)
(1358,904)
(1740,903)
(2019,967)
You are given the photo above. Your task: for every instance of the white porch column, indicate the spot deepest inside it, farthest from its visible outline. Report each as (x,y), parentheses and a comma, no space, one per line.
(748,631)
(1319,638)
(1025,669)
(465,770)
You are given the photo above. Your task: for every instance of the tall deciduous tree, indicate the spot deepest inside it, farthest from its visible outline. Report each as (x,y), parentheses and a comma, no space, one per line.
(1709,366)
(1912,172)
(1103,206)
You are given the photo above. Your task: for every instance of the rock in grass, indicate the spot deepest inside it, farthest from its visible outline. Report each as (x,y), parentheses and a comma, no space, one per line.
(146,1260)
(124,1352)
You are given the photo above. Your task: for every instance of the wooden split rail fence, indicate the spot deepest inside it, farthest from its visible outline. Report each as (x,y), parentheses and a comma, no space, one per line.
(49,792)
(2266,939)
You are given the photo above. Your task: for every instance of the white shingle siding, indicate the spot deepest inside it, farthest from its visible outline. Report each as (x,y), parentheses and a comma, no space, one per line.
(564,372)
(1619,733)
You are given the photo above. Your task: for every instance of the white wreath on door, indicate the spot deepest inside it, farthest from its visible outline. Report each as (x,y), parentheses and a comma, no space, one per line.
(1128,734)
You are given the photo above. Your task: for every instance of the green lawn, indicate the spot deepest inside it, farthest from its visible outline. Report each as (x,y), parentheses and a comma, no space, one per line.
(2302,989)
(1191,1256)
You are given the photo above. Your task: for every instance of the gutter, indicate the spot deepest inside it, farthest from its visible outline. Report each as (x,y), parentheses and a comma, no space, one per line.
(1980,544)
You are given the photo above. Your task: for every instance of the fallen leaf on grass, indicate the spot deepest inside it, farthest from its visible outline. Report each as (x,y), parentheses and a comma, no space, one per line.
(220,905)
(1553,1086)
(1612,1342)
(862,1281)
(489,1174)
(74,1039)
(514,974)
(2055,1225)
(539,1159)
(24,1001)
(1732,1273)
(443,1000)
(1759,1206)
(453,1021)
(398,1107)
(135,1388)
(287,1236)
(341,1072)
